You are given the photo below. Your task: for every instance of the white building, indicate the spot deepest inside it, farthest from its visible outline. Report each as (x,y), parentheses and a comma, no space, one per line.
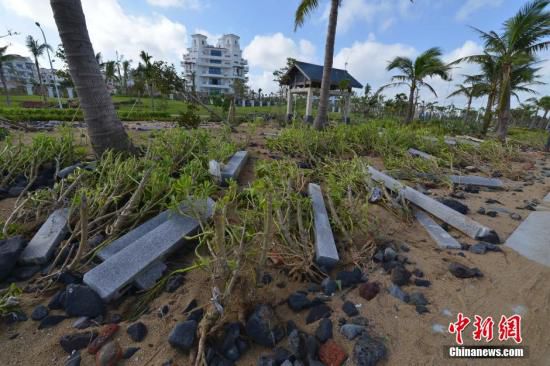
(19,72)
(214,68)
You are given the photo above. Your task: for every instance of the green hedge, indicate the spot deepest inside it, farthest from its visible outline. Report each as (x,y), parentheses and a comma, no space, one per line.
(46,114)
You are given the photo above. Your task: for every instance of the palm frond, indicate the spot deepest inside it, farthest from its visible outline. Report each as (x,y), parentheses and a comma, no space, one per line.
(305,8)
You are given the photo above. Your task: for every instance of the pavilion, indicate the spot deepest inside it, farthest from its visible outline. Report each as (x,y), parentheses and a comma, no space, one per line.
(305,78)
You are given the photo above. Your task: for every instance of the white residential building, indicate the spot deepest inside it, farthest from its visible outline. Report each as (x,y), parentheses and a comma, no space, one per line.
(214,68)
(19,71)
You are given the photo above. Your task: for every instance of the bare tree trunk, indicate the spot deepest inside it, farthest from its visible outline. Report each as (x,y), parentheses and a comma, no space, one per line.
(104,127)
(488,116)
(322,115)
(42,89)
(410,109)
(468,108)
(5,85)
(504,104)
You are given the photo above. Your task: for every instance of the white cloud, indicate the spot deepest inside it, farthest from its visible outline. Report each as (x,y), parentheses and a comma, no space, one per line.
(190,4)
(367,61)
(267,53)
(110,27)
(382,13)
(471,6)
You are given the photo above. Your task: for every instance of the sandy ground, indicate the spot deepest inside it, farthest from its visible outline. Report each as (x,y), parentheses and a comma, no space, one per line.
(511,284)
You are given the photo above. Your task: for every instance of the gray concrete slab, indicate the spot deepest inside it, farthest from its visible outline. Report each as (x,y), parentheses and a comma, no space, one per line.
(474,180)
(443,239)
(149,277)
(532,238)
(461,222)
(233,168)
(326,253)
(421,154)
(45,241)
(110,278)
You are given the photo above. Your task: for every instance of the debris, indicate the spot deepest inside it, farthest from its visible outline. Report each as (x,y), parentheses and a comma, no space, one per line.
(46,240)
(318,312)
(39,313)
(351,331)
(455,205)
(400,275)
(444,213)
(331,353)
(109,354)
(396,292)
(421,154)
(10,250)
(368,351)
(137,331)
(461,271)
(532,238)
(82,301)
(110,277)
(440,236)
(375,195)
(326,254)
(369,290)
(263,327)
(183,335)
(76,341)
(474,180)
(329,286)
(324,330)
(349,308)
(224,172)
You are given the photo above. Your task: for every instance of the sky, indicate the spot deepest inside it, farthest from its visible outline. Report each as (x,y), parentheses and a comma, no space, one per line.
(369,33)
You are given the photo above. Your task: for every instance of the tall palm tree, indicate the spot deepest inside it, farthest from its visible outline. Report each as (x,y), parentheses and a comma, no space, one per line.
(37,49)
(104,127)
(146,71)
(469,89)
(426,65)
(3,58)
(522,38)
(304,9)
(110,72)
(125,74)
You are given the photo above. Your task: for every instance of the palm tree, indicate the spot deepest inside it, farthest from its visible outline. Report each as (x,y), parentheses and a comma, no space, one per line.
(428,64)
(146,71)
(304,9)
(544,103)
(523,37)
(110,72)
(469,91)
(104,127)
(125,73)
(37,50)
(4,58)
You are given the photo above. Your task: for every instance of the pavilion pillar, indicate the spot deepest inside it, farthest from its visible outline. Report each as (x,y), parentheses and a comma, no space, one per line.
(347,108)
(309,106)
(289,105)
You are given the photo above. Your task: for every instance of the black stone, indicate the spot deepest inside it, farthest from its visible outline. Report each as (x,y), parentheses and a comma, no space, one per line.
(455,205)
(368,351)
(422,283)
(39,313)
(350,309)
(10,249)
(192,304)
(129,352)
(23,273)
(349,278)
(491,237)
(400,276)
(196,315)
(81,300)
(298,301)
(137,331)
(318,312)
(263,327)
(76,341)
(329,286)
(174,282)
(183,335)
(51,321)
(266,278)
(421,309)
(478,248)
(324,330)
(70,278)
(266,360)
(297,344)
(281,354)
(417,298)
(74,359)
(461,271)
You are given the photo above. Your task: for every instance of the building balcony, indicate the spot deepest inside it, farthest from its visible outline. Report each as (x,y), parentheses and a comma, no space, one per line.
(215,86)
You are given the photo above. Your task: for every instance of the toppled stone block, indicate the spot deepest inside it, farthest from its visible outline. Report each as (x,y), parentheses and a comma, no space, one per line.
(231,170)
(474,180)
(326,253)
(441,237)
(421,154)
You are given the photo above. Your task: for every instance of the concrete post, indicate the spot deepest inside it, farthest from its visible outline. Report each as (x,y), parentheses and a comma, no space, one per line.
(70,93)
(29,89)
(309,106)
(50,92)
(289,105)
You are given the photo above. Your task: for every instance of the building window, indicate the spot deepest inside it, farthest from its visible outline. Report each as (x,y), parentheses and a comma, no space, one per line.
(215,82)
(216,53)
(215,70)
(213,61)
